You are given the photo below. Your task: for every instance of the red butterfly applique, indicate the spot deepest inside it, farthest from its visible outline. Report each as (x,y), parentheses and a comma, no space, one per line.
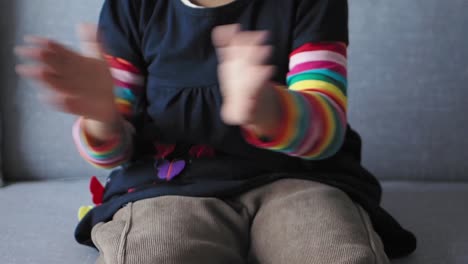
(97,190)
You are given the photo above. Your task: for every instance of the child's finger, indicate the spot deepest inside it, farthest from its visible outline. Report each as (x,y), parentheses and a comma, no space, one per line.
(78,106)
(223,54)
(260,54)
(69,104)
(262,74)
(44,42)
(34,53)
(39,54)
(222,35)
(63,56)
(51,45)
(247,38)
(88,34)
(253,55)
(42,74)
(37,72)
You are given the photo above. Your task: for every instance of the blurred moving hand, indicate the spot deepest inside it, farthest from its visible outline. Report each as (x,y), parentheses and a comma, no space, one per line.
(76,83)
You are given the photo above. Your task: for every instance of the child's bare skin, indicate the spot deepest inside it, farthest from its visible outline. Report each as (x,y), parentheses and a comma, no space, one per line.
(249,98)
(79,84)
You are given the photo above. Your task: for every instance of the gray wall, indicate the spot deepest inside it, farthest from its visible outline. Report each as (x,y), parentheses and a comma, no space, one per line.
(408,84)
(409,87)
(38,142)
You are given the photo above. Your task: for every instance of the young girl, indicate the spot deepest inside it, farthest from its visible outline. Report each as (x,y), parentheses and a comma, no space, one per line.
(227,122)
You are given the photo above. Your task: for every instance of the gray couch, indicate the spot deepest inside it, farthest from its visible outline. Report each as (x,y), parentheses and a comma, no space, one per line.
(408,90)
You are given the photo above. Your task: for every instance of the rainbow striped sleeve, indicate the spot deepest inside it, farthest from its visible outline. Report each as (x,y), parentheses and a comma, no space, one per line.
(314,107)
(129,85)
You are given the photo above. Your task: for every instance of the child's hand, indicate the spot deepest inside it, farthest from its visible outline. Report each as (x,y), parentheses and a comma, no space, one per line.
(249,100)
(244,78)
(78,84)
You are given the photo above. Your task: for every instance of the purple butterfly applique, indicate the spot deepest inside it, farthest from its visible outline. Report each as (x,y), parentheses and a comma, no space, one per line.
(167,170)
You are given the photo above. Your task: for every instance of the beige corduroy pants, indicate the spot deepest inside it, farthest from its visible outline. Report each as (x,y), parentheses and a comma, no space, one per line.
(286,222)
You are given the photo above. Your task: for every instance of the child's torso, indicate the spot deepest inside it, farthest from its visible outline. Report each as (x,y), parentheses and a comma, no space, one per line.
(182,85)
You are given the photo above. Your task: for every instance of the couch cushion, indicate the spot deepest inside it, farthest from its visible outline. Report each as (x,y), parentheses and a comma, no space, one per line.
(438,215)
(38,220)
